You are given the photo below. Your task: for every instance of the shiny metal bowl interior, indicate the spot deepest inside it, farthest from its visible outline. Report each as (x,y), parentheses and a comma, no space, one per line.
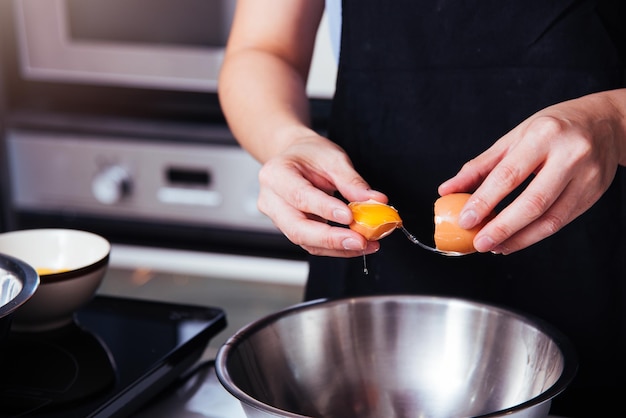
(396,356)
(18,283)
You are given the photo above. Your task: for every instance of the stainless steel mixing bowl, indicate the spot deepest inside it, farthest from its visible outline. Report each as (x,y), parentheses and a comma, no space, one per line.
(18,282)
(396,356)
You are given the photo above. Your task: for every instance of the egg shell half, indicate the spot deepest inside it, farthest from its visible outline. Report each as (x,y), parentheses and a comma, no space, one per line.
(374,220)
(449,236)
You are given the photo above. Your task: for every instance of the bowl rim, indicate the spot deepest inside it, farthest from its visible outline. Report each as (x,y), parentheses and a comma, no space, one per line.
(27,275)
(72,273)
(570,357)
(75,273)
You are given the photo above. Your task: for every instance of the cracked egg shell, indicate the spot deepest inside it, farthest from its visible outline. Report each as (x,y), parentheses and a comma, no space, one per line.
(374,220)
(449,236)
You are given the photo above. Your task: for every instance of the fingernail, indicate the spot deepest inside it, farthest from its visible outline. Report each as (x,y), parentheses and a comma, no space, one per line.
(468,219)
(341,216)
(372,247)
(484,244)
(500,250)
(351,244)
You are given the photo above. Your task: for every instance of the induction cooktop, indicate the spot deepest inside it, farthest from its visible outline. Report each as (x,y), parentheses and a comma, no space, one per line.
(116,355)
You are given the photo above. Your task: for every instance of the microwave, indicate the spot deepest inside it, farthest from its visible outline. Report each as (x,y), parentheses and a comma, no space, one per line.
(175,45)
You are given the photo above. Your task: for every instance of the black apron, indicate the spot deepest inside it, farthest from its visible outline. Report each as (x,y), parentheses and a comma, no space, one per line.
(424,86)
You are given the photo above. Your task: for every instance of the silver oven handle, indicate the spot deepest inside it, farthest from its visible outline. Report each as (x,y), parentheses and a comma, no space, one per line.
(224,266)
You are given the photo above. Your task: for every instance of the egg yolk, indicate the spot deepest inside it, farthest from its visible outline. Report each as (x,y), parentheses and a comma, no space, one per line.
(44,271)
(374,220)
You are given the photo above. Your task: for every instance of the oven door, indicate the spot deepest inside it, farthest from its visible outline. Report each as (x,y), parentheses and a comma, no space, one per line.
(165,44)
(173,45)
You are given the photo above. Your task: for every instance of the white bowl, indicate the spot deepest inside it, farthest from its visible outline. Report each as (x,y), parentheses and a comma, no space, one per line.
(76,262)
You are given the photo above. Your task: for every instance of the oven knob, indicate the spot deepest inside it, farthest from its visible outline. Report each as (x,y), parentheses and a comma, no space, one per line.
(111,185)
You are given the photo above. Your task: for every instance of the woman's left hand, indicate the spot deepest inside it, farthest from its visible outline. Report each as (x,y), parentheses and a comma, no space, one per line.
(573,150)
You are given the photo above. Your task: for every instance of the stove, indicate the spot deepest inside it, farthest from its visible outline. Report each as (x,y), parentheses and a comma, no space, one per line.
(114,358)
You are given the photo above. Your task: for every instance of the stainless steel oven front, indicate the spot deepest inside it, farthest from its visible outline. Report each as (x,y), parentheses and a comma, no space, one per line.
(112,123)
(162,44)
(136,189)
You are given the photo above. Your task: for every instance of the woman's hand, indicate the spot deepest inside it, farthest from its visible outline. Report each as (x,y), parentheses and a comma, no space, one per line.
(297,188)
(573,150)
(262,90)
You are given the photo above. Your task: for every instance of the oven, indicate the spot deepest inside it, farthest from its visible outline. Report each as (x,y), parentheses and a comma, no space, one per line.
(162,44)
(110,122)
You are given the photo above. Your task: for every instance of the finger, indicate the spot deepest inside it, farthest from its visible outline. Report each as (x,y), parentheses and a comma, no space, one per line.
(320,238)
(351,185)
(309,230)
(302,190)
(473,172)
(515,167)
(372,247)
(532,204)
(298,192)
(563,211)
(576,198)
(338,174)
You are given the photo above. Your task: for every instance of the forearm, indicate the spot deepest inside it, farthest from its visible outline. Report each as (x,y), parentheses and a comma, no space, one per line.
(264,101)
(617,113)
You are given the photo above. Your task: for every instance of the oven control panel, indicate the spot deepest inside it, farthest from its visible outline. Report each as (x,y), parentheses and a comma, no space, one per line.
(134,178)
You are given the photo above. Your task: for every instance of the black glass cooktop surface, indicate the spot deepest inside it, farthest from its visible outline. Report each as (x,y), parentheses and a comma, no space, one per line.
(116,356)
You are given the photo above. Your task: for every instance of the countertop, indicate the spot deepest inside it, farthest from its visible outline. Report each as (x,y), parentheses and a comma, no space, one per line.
(201,396)
(246,288)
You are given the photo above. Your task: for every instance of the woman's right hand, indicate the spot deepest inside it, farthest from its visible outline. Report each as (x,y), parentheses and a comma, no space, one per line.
(296,192)
(262,90)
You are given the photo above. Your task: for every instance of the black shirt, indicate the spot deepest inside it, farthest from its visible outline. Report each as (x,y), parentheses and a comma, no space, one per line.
(423,87)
